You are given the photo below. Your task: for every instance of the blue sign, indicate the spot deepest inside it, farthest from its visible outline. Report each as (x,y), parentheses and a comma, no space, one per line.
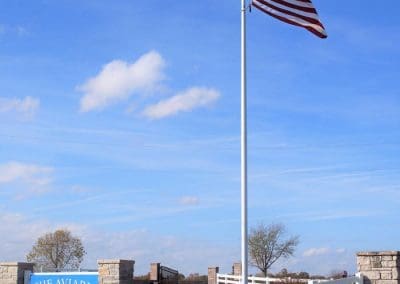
(65,278)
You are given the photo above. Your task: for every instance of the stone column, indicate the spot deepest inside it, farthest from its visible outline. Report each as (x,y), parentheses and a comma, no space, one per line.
(13,272)
(237,269)
(155,272)
(115,271)
(379,267)
(212,275)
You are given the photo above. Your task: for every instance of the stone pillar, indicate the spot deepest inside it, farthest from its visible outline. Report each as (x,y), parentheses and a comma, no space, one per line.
(212,275)
(155,272)
(379,267)
(115,271)
(237,269)
(13,272)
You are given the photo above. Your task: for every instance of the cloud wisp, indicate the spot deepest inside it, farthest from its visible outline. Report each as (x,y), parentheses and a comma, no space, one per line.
(189,200)
(182,102)
(118,80)
(13,30)
(27,106)
(139,244)
(316,251)
(36,178)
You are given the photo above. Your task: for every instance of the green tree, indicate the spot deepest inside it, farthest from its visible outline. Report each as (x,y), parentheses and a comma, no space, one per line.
(267,245)
(57,251)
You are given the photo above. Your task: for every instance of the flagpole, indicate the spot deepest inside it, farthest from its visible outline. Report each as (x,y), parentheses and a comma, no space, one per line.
(244,245)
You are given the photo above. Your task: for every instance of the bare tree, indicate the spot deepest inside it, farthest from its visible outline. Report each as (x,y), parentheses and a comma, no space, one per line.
(57,251)
(266,245)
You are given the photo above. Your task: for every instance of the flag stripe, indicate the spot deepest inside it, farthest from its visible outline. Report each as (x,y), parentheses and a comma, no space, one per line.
(315,29)
(313,18)
(309,8)
(295,12)
(306,4)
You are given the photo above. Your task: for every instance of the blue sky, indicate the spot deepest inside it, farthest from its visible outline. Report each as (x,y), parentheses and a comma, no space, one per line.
(121,122)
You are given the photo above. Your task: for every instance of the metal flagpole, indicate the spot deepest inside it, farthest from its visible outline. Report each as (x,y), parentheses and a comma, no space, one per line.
(243,146)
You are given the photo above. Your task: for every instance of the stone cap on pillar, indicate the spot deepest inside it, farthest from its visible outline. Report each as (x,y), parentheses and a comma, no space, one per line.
(378,253)
(16,263)
(213,269)
(115,261)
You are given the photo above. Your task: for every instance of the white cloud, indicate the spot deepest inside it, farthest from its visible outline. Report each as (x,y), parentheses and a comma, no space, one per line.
(21,31)
(189,200)
(17,30)
(36,178)
(146,246)
(185,101)
(26,106)
(321,261)
(118,80)
(340,250)
(140,245)
(312,252)
(15,245)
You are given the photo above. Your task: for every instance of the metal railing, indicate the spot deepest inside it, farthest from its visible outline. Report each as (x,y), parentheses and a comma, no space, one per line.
(356,279)
(236,279)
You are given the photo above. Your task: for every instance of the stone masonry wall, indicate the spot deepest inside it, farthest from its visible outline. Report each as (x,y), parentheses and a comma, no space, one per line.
(237,269)
(155,272)
(116,271)
(212,275)
(13,272)
(379,267)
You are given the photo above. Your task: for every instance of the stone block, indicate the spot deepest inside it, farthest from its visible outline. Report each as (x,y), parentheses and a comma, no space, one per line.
(387,257)
(13,269)
(364,267)
(114,271)
(386,275)
(390,263)
(372,275)
(363,260)
(104,271)
(386,282)
(396,273)
(376,264)
(109,281)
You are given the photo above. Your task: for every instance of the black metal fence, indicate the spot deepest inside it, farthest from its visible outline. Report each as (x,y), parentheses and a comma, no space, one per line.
(168,275)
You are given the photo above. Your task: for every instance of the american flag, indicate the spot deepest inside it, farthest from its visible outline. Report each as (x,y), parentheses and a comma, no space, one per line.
(295,12)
